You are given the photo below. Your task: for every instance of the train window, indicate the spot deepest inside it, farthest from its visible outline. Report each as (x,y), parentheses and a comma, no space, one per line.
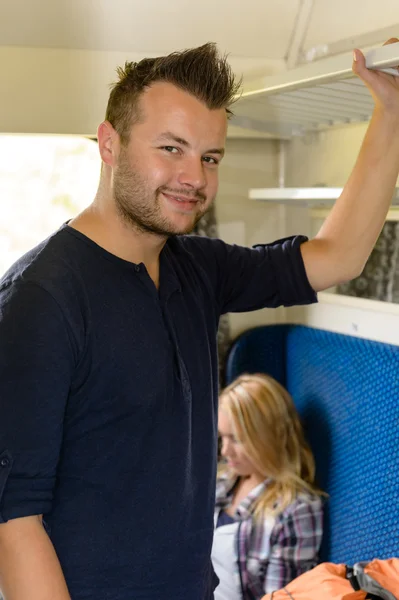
(380,277)
(44,181)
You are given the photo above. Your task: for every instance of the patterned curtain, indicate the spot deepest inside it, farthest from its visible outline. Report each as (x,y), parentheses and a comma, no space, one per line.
(207,227)
(380,277)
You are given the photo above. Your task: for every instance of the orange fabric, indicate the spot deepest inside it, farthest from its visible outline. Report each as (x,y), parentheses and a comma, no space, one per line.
(386,573)
(324,582)
(327,582)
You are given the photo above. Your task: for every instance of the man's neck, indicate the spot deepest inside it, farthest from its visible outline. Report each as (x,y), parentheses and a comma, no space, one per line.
(107,229)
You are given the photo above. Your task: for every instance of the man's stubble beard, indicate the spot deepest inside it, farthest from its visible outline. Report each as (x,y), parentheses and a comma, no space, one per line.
(137,207)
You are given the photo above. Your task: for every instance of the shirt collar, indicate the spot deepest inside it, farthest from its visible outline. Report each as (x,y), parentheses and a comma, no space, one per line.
(224,488)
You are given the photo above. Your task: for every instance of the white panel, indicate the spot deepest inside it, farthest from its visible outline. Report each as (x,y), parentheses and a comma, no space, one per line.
(62,91)
(368,319)
(254,28)
(336,20)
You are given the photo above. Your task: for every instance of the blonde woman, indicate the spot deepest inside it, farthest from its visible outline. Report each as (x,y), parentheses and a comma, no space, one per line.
(268,515)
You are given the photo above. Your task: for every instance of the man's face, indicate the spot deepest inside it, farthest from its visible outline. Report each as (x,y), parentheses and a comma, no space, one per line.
(166,178)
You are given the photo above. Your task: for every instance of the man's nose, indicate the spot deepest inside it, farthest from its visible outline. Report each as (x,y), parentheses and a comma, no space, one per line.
(193,173)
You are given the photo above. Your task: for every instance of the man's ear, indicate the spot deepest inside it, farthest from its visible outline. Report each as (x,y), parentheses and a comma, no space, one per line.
(108,143)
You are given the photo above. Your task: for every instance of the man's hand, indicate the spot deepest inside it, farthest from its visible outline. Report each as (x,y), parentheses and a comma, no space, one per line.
(29,567)
(384,88)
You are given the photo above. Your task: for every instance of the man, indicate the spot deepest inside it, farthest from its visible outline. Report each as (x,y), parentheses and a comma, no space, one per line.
(108,362)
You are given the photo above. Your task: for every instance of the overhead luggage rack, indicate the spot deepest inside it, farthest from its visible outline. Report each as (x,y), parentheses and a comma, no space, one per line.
(312,97)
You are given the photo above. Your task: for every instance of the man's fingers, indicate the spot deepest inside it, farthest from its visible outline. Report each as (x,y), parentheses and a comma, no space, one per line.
(359,63)
(391,41)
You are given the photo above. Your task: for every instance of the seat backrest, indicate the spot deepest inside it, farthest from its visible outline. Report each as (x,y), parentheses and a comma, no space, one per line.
(346,390)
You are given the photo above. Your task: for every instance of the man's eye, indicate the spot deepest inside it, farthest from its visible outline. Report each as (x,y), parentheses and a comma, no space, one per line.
(170,149)
(210,160)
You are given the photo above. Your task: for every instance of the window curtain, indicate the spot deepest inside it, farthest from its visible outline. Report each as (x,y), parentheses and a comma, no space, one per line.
(380,277)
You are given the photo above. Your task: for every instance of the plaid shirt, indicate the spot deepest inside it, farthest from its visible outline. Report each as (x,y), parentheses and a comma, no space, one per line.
(274,551)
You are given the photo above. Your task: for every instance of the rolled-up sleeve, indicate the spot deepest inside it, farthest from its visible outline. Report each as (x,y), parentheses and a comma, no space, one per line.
(36,364)
(267,275)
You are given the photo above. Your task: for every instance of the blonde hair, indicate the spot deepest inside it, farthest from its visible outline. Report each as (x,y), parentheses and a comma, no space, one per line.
(266,423)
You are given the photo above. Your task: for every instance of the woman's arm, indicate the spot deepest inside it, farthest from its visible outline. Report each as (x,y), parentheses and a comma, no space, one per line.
(294,544)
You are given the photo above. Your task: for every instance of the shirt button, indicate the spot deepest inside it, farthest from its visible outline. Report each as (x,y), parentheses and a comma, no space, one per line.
(4,462)
(137,268)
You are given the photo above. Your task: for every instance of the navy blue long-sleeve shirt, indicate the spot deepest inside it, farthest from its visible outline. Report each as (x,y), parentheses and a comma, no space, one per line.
(108,403)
